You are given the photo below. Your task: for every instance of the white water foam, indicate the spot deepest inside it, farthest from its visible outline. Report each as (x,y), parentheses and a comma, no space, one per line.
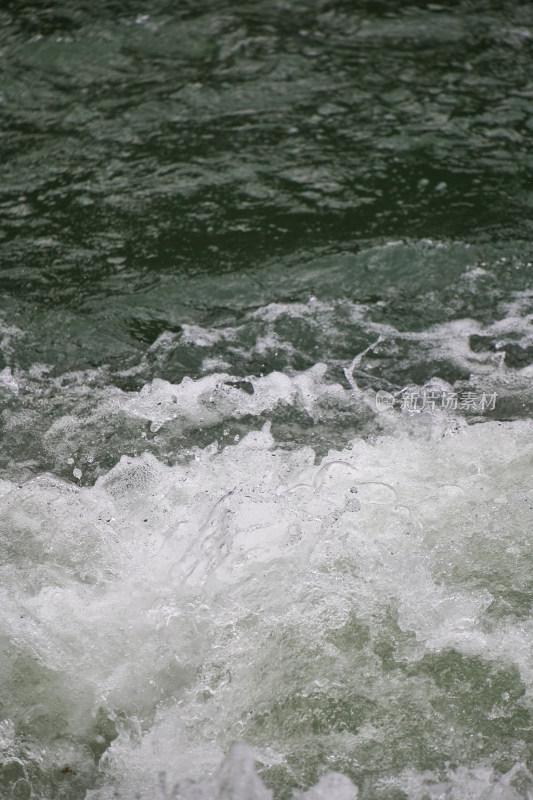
(168,612)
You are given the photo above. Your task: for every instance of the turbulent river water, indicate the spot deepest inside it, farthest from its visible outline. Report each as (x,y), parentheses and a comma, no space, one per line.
(266,447)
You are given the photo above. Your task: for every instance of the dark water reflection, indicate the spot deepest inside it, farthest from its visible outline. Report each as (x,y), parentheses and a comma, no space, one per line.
(180,136)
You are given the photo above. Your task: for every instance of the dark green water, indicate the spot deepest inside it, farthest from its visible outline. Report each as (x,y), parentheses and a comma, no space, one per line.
(208,211)
(178,164)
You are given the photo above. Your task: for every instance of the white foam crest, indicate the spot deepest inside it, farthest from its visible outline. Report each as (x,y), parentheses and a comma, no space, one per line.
(8,333)
(236,779)
(221,395)
(216,397)
(205,337)
(481,783)
(273,311)
(325,329)
(8,380)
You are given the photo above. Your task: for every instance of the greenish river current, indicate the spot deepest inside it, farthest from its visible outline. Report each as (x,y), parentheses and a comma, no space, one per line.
(266,435)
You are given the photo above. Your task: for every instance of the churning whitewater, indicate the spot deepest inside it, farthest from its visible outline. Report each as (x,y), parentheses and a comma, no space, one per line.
(367,611)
